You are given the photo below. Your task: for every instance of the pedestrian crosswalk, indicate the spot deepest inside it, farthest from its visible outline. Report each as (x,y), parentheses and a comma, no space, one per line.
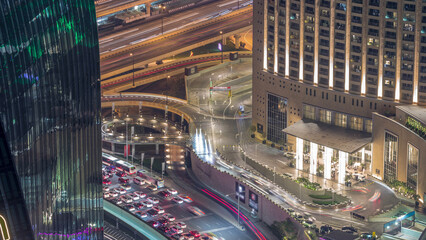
(111,233)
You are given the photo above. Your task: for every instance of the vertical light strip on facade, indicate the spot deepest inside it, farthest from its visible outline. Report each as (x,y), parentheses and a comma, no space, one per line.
(4,231)
(299,153)
(316,44)
(332,23)
(287,38)
(417,52)
(313,158)
(301,38)
(343,158)
(276,37)
(328,154)
(347,44)
(363,155)
(265,34)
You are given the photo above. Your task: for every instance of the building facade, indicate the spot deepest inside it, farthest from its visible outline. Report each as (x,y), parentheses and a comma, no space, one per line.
(50,111)
(340,65)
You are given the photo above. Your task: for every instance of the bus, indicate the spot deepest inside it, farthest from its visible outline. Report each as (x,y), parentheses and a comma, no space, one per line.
(108,159)
(125,166)
(158,181)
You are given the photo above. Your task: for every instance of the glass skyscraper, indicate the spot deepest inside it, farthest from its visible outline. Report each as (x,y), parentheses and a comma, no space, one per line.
(50,111)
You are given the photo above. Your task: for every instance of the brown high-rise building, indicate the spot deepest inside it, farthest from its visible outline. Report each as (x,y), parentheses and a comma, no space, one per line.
(343,83)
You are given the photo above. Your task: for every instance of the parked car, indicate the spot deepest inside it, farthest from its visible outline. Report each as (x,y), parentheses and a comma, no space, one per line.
(308,216)
(152,187)
(164,228)
(325,229)
(159,209)
(152,213)
(106,189)
(106,181)
(172,191)
(147,203)
(309,224)
(120,174)
(141,214)
(164,194)
(120,190)
(154,200)
(117,201)
(349,229)
(155,224)
(177,229)
(123,179)
(126,199)
(113,194)
(140,194)
(138,205)
(126,186)
(181,224)
(168,216)
(130,207)
(177,200)
(106,195)
(195,233)
(133,196)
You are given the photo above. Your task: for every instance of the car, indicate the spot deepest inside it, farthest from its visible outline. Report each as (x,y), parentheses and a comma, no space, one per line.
(289,154)
(141,214)
(154,200)
(177,200)
(290,210)
(349,229)
(155,224)
(195,233)
(163,221)
(106,189)
(126,199)
(117,201)
(106,195)
(172,191)
(308,216)
(308,224)
(326,229)
(188,236)
(298,217)
(113,193)
(147,203)
(138,205)
(177,229)
(126,186)
(152,187)
(196,211)
(140,194)
(178,236)
(152,213)
(185,198)
(123,179)
(120,190)
(164,194)
(164,228)
(130,207)
(168,216)
(106,181)
(367,236)
(133,196)
(181,224)
(159,209)
(120,174)
(104,176)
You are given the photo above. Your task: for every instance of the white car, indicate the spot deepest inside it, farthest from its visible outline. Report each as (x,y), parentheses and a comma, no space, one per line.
(176,229)
(106,195)
(140,194)
(120,190)
(177,200)
(172,191)
(106,189)
(141,214)
(126,199)
(113,193)
(133,196)
(154,200)
(159,209)
(169,217)
(146,203)
(185,198)
(181,224)
(130,207)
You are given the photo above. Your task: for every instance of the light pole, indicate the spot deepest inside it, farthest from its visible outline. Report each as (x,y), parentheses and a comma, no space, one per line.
(238,204)
(221,33)
(133,64)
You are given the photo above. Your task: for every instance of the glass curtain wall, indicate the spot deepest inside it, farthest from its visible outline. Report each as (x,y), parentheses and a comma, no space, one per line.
(390,157)
(413,159)
(277,119)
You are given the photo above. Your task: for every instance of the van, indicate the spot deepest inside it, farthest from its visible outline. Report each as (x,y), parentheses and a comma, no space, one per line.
(138,181)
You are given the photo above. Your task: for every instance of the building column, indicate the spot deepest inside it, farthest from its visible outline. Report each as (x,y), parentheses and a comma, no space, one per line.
(112,147)
(157,148)
(343,158)
(363,155)
(299,154)
(237,41)
(148,8)
(328,154)
(314,158)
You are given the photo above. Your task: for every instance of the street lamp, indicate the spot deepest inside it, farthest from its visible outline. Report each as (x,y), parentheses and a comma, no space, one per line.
(133,64)
(221,33)
(238,204)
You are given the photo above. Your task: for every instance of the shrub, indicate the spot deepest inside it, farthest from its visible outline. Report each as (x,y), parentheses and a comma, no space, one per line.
(320,196)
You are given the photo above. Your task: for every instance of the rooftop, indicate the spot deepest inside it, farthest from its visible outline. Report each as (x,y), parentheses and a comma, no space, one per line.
(417,112)
(331,136)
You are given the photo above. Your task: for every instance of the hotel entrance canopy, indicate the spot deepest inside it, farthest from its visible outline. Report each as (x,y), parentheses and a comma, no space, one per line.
(331,136)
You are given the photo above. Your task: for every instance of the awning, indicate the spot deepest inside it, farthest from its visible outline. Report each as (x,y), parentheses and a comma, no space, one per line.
(338,138)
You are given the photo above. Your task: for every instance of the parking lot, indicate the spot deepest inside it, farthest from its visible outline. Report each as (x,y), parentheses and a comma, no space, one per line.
(174,214)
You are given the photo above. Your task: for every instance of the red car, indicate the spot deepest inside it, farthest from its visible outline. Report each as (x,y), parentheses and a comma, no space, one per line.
(123,180)
(121,174)
(195,233)
(106,182)
(165,193)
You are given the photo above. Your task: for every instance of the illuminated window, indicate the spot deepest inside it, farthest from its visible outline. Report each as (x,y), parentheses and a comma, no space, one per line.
(356,123)
(309,112)
(369,125)
(325,116)
(341,120)
(413,159)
